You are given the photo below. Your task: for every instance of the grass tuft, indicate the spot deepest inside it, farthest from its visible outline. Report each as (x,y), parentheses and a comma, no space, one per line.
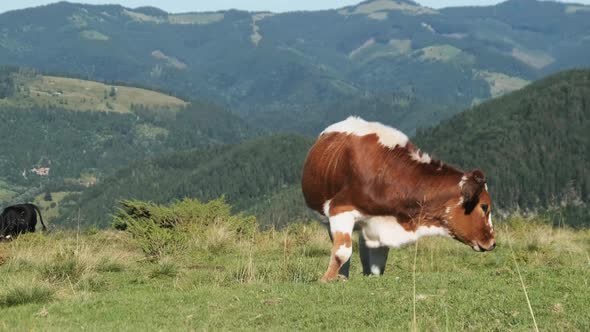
(64,267)
(23,294)
(164,269)
(107,264)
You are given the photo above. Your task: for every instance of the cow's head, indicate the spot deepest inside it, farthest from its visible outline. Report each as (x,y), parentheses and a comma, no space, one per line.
(470,219)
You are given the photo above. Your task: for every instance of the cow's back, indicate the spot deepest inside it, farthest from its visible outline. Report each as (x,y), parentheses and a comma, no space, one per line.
(326,169)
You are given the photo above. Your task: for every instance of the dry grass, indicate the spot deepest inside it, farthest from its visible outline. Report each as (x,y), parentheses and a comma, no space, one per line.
(381,6)
(61,258)
(536,59)
(501,83)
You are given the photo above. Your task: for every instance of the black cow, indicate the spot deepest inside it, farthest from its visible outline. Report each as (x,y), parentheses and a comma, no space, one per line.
(17,219)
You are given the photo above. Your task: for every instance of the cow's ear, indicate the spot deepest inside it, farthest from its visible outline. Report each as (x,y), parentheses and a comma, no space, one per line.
(472,185)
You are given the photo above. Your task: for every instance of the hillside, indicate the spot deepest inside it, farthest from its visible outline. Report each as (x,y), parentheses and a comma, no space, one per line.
(58,143)
(534,145)
(30,89)
(522,141)
(282,70)
(260,176)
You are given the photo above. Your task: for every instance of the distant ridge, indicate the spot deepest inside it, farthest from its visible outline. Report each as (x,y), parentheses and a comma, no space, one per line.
(289,71)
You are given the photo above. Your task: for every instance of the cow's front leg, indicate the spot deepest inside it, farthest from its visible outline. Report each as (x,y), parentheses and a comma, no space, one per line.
(341,226)
(373,259)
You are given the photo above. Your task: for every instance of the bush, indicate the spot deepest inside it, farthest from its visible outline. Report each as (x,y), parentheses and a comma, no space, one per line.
(162,230)
(154,240)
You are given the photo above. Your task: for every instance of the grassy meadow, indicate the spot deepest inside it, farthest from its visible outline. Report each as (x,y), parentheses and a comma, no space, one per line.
(216,271)
(82,95)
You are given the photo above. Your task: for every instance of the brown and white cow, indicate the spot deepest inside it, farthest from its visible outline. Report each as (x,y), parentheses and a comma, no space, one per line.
(368,176)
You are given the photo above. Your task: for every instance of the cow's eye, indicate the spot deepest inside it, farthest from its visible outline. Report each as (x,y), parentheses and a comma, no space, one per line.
(484,207)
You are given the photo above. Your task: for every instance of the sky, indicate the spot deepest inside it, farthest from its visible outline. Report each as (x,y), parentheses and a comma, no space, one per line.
(178,6)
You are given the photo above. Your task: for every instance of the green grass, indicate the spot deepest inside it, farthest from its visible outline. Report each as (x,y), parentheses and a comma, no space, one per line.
(50,209)
(269,282)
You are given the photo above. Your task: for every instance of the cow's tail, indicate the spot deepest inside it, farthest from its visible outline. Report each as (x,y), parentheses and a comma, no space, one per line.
(40,217)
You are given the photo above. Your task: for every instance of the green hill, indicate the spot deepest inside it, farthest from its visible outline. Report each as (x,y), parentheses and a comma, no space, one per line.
(78,143)
(533,144)
(260,176)
(288,70)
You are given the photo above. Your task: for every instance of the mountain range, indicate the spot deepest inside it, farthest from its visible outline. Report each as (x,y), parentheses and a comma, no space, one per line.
(102,103)
(289,71)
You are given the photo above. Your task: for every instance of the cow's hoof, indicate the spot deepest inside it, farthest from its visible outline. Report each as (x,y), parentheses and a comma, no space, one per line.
(326,279)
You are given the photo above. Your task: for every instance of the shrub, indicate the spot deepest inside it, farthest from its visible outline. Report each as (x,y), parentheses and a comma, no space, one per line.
(154,240)
(162,230)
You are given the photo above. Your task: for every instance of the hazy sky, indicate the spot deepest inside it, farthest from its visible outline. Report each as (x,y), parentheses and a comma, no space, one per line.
(251,5)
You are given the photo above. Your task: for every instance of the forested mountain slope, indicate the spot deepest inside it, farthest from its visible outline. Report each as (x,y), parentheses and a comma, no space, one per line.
(249,175)
(533,144)
(60,134)
(287,71)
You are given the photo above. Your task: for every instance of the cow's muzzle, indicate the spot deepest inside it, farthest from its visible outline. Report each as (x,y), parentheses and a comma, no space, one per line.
(480,248)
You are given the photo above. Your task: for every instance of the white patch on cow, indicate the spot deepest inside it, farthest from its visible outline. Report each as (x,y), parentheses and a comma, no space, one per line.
(344,222)
(375,270)
(343,253)
(448,210)
(463,181)
(327,208)
(387,232)
(490,220)
(460,201)
(420,157)
(388,136)
(486,186)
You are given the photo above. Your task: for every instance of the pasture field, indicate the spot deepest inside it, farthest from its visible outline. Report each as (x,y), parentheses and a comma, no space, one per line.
(82,95)
(50,209)
(222,277)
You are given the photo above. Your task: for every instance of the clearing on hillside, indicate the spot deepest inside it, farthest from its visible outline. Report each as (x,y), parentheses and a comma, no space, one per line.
(81,95)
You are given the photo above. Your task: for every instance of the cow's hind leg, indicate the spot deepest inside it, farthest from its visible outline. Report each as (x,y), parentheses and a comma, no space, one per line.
(373,259)
(341,226)
(345,269)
